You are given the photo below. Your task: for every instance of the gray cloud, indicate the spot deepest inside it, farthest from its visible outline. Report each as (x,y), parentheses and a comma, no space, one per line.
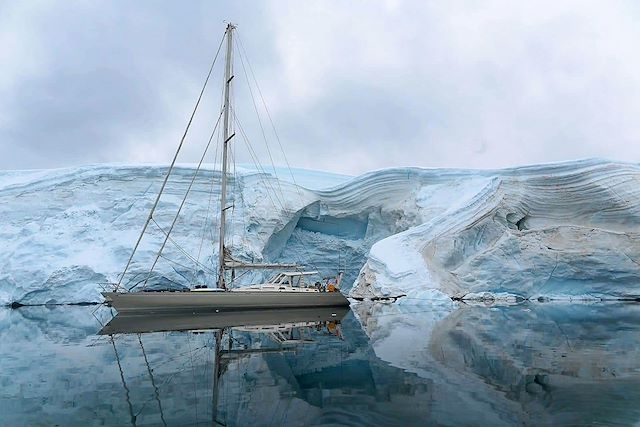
(351,86)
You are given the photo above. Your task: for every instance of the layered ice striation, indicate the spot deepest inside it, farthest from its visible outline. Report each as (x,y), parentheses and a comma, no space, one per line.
(567,230)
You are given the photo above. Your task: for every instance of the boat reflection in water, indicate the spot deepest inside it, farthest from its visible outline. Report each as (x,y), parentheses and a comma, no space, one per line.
(279,330)
(256,319)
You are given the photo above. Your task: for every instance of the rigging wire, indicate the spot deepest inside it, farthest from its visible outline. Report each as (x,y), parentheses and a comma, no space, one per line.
(206,219)
(255,107)
(242,52)
(275,132)
(181,249)
(179,264)
(267,184)
(278,195)
(124,383)
(175,157)
(153,383)
(175,218)
(193,373)
(259,167)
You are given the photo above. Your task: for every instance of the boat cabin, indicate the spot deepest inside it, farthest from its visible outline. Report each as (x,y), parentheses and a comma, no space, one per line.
(291,278)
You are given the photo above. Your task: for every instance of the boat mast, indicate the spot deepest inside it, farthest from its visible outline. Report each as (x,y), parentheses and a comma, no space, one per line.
(228,76)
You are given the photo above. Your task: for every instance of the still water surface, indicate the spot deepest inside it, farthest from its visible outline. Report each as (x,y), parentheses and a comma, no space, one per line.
(531,364)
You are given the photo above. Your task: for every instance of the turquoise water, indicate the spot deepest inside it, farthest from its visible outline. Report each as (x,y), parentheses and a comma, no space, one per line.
(531,364)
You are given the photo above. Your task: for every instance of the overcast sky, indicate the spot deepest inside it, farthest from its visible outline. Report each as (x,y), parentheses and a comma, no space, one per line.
(351,86)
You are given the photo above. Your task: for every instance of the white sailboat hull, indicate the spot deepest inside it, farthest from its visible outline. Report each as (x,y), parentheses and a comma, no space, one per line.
(163,302)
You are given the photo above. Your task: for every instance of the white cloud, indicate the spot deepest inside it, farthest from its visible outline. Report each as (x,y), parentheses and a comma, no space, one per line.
(351,85)
(493,83)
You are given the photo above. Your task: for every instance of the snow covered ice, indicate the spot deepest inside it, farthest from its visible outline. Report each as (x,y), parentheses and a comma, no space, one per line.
(557,231)
(560,231)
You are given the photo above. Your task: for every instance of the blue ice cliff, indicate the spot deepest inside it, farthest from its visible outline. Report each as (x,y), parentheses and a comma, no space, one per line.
(558,231)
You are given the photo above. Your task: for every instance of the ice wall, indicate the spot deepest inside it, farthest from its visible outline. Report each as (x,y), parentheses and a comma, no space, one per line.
(64,232)
(567,230)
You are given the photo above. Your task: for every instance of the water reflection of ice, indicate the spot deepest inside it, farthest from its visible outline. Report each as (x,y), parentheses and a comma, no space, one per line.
(533,363)
(392,365)
(56,370)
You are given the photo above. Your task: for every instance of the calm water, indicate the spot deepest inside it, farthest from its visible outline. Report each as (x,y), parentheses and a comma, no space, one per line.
(542,364)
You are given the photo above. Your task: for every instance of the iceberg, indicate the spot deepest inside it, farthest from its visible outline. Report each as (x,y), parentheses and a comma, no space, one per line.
(558,231)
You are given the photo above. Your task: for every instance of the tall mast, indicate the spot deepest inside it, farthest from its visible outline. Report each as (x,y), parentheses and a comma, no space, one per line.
(228,76)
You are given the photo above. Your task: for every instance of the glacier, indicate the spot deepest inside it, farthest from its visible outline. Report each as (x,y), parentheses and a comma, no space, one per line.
(556,231)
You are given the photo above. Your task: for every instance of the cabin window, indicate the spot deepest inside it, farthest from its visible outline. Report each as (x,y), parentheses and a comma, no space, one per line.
(276,278)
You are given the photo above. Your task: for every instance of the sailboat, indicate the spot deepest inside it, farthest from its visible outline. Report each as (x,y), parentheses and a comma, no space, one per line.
(286,289)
